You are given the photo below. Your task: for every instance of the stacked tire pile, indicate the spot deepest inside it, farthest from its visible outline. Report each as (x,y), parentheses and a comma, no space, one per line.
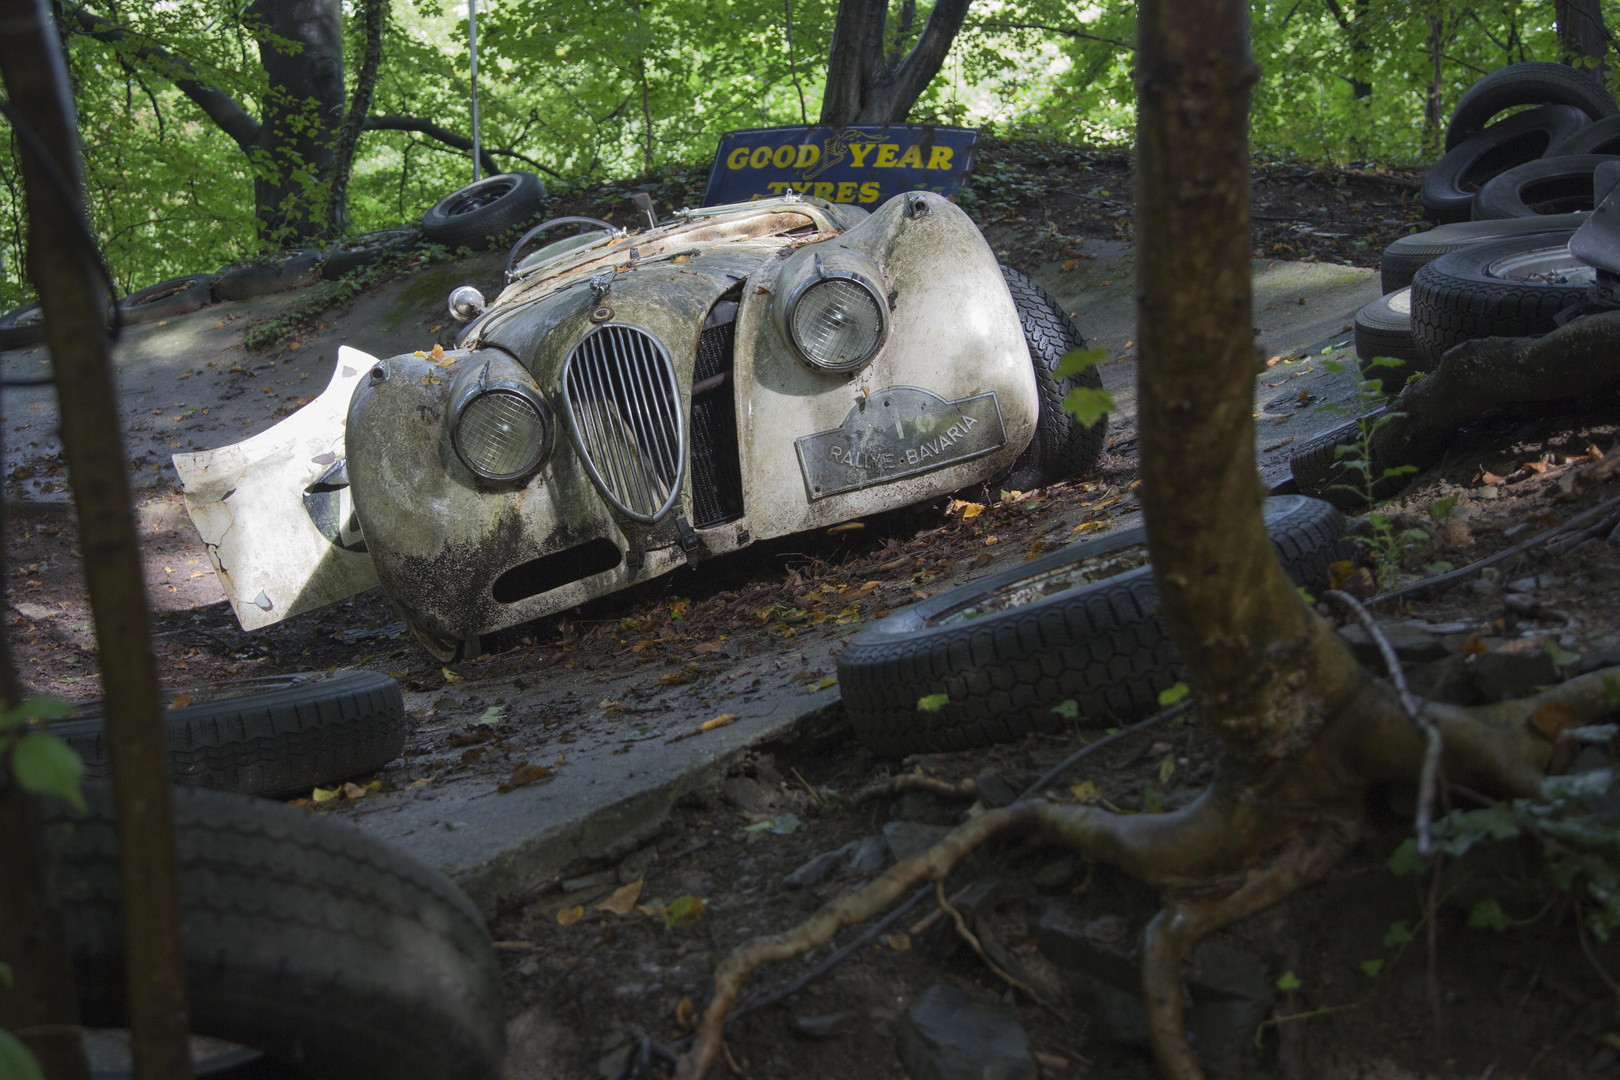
(1508,195)
(473,217)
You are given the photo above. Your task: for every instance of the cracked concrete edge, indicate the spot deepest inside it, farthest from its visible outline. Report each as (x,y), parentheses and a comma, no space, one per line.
(533,865)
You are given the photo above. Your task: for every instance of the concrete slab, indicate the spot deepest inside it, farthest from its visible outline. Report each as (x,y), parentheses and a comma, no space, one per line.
(609,795)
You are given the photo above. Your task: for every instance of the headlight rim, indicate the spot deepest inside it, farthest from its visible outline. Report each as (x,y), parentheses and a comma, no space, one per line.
(483,386)
(821,276)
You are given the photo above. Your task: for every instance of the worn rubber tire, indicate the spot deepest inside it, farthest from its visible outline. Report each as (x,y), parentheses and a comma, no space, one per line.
(1533,83)
(1552,185)
(478,213)
(1104,645)
(1402,259)
(269,736)
(344,258)
(1062,448)
(1318,473)
(1600,137)
(22,328)
(1449,188)
(1384,329)
(1456,298)
(330,951)
(279,273)
(167,299)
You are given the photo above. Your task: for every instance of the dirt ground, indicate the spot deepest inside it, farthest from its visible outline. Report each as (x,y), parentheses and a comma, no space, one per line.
(1344,973)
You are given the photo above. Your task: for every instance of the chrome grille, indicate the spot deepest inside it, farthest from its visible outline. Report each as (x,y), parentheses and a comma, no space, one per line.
(625,417)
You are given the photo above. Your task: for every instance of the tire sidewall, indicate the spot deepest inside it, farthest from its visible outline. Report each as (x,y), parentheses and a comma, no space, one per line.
(197,293)
(1503,195)
(476,227)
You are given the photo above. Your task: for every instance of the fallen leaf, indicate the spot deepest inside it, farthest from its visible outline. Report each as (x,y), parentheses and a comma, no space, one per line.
(719,721)
(991,540)
(353,791)
(848,526)
(682,911)
(710,646)
(1554,718)
(180,702)
(898,942)
(1488,477)
(473,756)
(1088,792)
(450,676)
(686,1014)
(623,900)
(570,916)
(437,353)
(981,561)
(1070,264)
(322,794)
(830,680)
(1340,571)
(524,775)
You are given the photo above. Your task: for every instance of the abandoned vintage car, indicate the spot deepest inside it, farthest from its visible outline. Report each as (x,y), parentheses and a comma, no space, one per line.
(631,403)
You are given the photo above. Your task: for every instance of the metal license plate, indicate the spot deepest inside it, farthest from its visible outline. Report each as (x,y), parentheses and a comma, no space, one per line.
(898,432)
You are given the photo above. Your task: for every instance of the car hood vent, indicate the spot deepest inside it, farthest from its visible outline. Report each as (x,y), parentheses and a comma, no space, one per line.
(624,414)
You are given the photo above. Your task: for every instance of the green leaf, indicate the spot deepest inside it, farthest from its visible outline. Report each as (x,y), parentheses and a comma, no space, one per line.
(1399,934)
(1167,768)
(1371,968)
(35,707)
(1075,361)
(1405,859)
(1172,694)
(1304,594)
(1333,367)
(1069,710)
(1560,655)
(45,764)
(17,1062)
(933,702)
(1488,915)
(1288,981)
(1385,361)
(1088,404)
(1152,801)
(1440,508)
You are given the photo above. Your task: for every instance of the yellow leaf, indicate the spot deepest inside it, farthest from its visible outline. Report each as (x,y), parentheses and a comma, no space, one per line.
(570,916)
(972,510)
(720,721)
(322,794)
(898,942)
(1088,792)
(437,353)
(450,676)
(683,911)
(168,569)
(1070,264)
(180,702)
(623,900)
(686,1014)
(828,681)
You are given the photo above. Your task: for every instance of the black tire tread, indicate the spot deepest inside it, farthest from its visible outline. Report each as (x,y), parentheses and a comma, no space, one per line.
(304,938)
(1535,82)
(1061,449)
(1449,308)
(1104,645)
(339,725)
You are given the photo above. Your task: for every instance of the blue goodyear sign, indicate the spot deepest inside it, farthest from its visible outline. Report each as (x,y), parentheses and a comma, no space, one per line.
(864,164)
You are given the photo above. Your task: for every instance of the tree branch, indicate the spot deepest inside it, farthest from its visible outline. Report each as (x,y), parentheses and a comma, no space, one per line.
(374,13)
(924,60)
(432,131)
(215,103)
(1066,31)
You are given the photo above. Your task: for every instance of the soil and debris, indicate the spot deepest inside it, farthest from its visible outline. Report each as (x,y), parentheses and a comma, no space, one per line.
(1335,982)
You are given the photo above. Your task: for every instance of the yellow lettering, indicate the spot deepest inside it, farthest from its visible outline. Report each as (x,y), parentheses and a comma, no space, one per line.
(778,186)
(783,157)
(760,158)
(940,158)
(912,158)
(858,153)
(823,191)
(737,158)
(869,191)
(846,191)
(809,154)
(886,156)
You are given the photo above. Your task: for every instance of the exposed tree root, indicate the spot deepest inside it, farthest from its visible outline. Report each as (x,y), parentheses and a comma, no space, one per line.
(894,785)
(1245,843)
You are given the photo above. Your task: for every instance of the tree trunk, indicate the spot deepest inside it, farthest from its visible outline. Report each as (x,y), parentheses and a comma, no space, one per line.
(67,278)
(301,48)
(1583,38)
(863,86)
(372,13)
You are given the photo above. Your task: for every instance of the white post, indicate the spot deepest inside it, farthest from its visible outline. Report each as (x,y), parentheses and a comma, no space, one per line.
(472,45)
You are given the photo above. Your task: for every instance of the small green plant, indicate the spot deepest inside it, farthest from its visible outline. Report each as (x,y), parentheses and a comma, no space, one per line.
(1382,541)
(1087,404)
(41,762)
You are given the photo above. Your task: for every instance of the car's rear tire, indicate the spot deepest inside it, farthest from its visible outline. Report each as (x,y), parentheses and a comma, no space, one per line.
(1103,645)
(1062,448)
(334,954)
(475,215)
(1531,83)
(267,736)
(1466,294)
(1449,188)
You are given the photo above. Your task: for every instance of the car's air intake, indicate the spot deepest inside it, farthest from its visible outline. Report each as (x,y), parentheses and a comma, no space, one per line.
(625,417)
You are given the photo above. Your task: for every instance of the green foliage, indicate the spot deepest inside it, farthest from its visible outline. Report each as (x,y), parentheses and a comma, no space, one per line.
(42,763)
(1382,542)
(933,702)
(1288,981)
(1069,709)
(1172,694)
(17,1062)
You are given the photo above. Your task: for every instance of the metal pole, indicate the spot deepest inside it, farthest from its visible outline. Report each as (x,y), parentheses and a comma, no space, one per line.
(472,46)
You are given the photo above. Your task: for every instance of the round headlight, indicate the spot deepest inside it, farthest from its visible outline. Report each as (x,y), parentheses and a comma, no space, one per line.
(501,435)
(837,323)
